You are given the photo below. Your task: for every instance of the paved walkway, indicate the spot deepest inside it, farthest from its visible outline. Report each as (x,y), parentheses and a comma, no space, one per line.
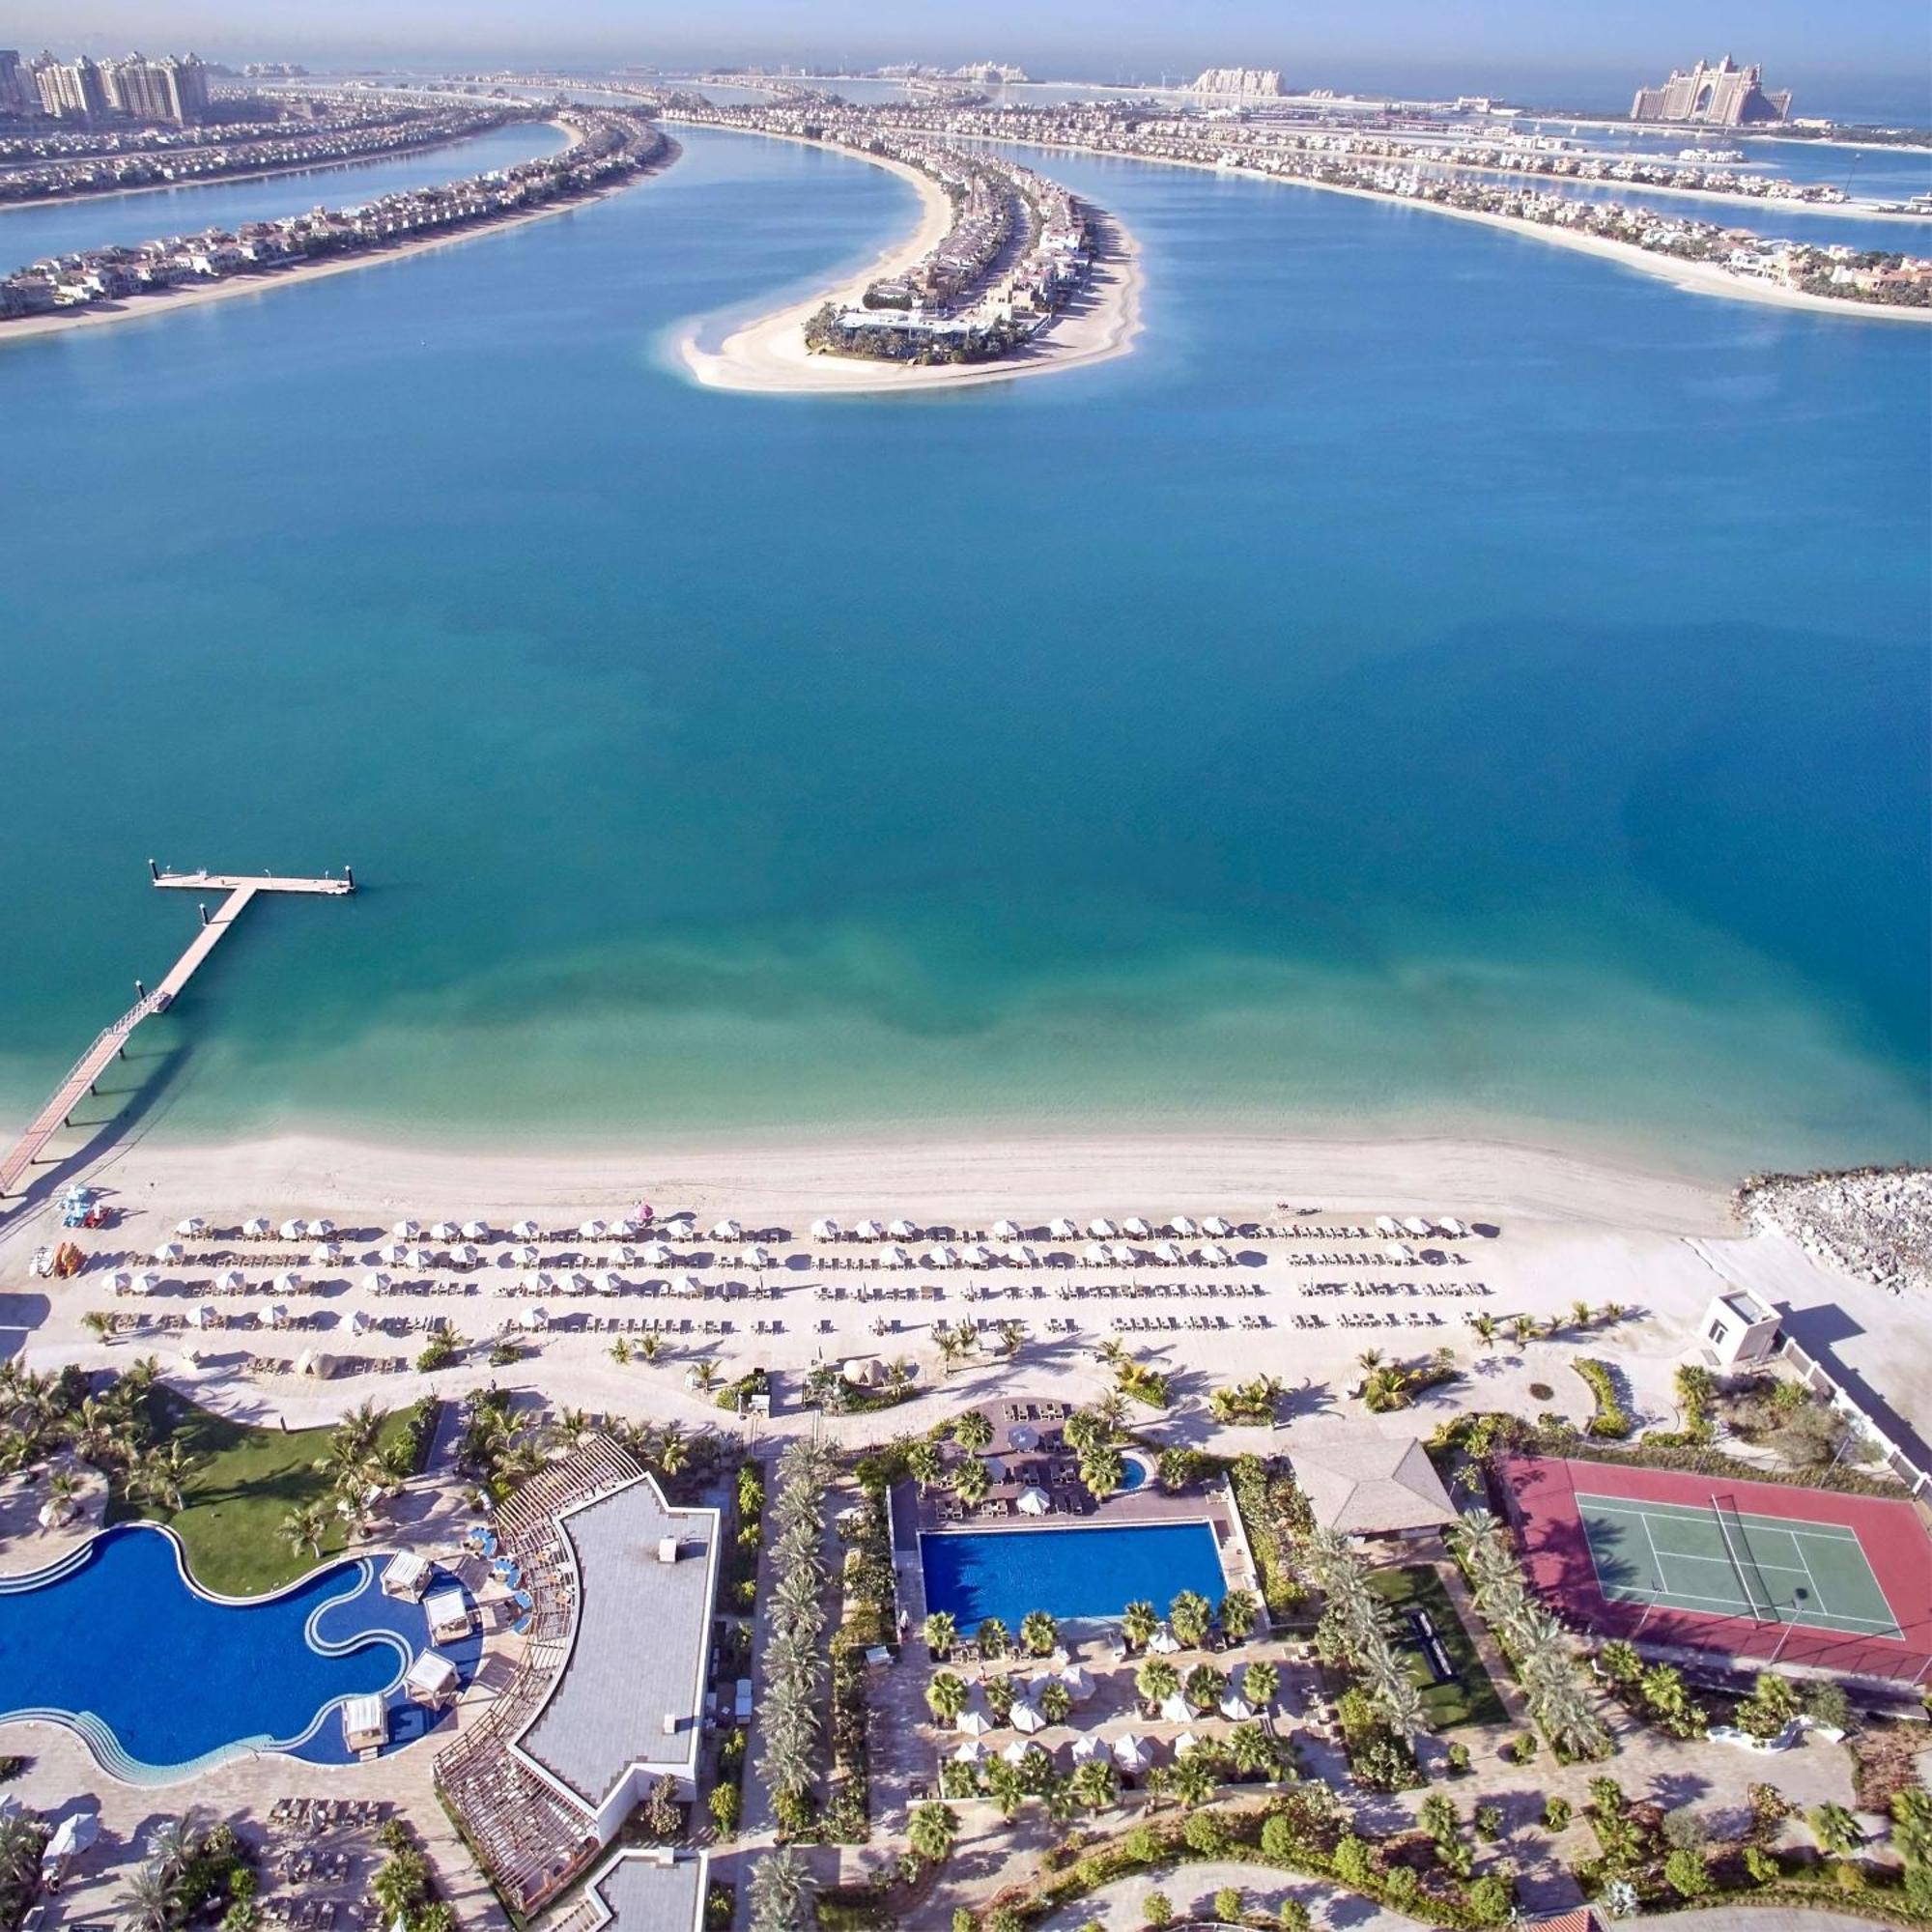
(1191,1889)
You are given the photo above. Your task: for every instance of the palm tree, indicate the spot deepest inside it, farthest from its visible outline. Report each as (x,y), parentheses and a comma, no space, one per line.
(1191,1779)
(673,1449)
(900,1372)
(172,1843)
(1260,1685)
(781,1892)
(1249,1750)
(1188,1617)
(1239,1613)
(1371,1359)
(1157,1679)
(924,1465)
(1204,1687)
(1039,1633)
(941,1631)
(1521,1329)
(1009,1335)
(149,1906)
(620,1351)
(99,1323)
(705,1375)
(1103,1469)
(973,1431)
(1485,1326)
(931,1831)
(306,1526)
(1096,1783)
(946,1697)
(1138,1624)
(1055,1701)
(1111,1410)
(650,1347)
(1402,1705)
(972,1484)
(1004,1786)
(161,1475)
(63,1485)
(569,1430)
(993,1638)
(1580,1313)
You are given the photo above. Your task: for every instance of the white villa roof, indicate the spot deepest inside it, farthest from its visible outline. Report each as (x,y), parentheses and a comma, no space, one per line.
(650,1892)
(1372,1486)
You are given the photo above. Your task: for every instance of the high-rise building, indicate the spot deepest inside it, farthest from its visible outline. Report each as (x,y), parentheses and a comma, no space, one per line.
(1723,95)
(17,92)
(71,90)
(1248,82)
(169,90)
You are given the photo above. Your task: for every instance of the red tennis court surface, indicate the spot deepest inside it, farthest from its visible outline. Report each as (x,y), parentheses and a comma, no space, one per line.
(1561,1509)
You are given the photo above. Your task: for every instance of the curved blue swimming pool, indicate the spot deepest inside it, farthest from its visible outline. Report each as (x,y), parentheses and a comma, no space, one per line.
(118,1640)
(1071,1572)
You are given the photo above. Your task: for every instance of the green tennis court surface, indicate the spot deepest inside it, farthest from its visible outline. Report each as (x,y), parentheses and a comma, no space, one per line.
(1682,1556)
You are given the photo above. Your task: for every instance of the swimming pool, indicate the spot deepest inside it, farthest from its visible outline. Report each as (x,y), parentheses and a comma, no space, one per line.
(1136,1471)
(1073,1573)
(157,1676)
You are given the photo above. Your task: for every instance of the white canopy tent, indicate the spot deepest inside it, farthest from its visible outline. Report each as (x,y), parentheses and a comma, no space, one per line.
(432,1678)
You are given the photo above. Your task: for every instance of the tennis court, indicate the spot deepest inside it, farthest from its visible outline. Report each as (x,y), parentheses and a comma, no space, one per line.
(1724,1562)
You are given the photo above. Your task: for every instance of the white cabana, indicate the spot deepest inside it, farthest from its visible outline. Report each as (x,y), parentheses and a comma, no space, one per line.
(1186,1743)
(902,1230)
(319,1231)
(313,1362)
(1062,1229)
(395,1255)
(1079,1685)
(941,1258)
(974,1721)
(1236,1708)
(358,1323)
(1163,1642)
(610,1282)
(693,1285)
(1026,1716)
(149,1283)
(824,1229)
(1451,1227)
(532,1317)
(449,1615)
(591,1230)
(123,1282)
(1398,1251)
(761,1258)
(406,1574)
(1170,1251)
(1216,1256)
(194,1225)
(1035,1502)
(523,1257)
(1132,1752)
(1094,1254)
(432,1680)
(1387,1224)
(727,1230)
(897,1258)
(1022,1748)
(1417,1226)
(581,1284)
(1005,1229)
(1216,1226)
(1091,1749)
(978,1254)
(255,1230)
(462,1255)
(1101,1229)
(1122,1254)
(526,1231)
(1182,1226)
(169,1254)
(279,1315)
(206,1316)
(365,1724)
(294,1230)
(327,1256)
(406,1231)
(288,1281)
(868,1231)
(422,1260)
(1175,1709)
(654,1255)
(1133,1224)
(231,1281)
(376,1283)
(1024,1253)
(679,1228)
(972,1752)
(442,1231)
(475,1230)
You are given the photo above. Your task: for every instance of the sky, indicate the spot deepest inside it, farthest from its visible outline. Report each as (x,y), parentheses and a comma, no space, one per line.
(1877,47)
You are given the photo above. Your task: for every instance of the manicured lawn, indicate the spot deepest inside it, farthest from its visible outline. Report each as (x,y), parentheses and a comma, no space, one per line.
(1468,1697)
(246,1481)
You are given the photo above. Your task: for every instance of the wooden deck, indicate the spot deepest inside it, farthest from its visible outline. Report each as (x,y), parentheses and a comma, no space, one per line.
(238,891)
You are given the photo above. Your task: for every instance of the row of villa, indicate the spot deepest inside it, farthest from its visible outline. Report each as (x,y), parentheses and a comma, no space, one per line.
(610,146)
(117,162)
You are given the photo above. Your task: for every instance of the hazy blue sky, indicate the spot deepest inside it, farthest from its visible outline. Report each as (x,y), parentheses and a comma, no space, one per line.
(1801,43)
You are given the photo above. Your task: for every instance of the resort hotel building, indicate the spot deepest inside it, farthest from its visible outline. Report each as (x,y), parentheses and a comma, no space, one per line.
(1723,95)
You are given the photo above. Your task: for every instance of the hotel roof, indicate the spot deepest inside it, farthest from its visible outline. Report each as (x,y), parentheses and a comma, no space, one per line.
(645,1892)
(637,1657)
(1373,1485)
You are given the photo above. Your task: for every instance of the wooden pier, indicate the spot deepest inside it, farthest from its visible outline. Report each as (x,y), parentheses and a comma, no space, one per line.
(237,889)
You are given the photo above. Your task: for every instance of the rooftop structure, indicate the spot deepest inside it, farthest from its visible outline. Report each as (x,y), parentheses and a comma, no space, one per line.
(1373,1485)
(649,1891)
(1723,95)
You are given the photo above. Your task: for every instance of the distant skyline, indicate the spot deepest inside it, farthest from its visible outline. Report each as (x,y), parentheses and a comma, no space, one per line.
(1501,45)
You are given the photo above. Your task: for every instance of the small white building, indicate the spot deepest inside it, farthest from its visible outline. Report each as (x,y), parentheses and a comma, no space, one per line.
(432,1680)
(365,1724)
(406,1576)
(1739,1330)
(449,1615)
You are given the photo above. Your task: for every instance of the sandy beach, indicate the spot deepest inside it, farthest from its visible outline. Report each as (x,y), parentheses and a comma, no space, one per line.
(768,357)
(299,274)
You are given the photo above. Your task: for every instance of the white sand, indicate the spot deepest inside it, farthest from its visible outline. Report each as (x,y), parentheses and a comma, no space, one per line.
(769,356)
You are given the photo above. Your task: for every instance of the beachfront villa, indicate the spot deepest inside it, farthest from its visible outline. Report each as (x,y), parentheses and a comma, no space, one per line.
(1374,1486)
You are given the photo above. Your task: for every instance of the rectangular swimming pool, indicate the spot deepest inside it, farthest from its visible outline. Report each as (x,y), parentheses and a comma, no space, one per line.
(1071,1572)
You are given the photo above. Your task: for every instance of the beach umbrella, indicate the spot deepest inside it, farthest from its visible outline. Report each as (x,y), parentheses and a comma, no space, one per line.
(526,1231)
(1023,1435)
(1387,1224)
(693,1285)
(1027,1716)
(421,1260)
(1027,1255)
(534,1318)
(1237,1708)
(255,1230)
(206,1316)
(291,1283)
(591,1230)
(169,1254)
(761,1258)
(147,1284)
(376,1283)
(1215,1255)
(1133,1224)
(727,1230)
(824,1229)
(462,1254)
(1216,1226)
(973,1721)
(1022,1748)
(1132,1752)
(1417,1226)
(1163,1642)
(1175,1709)
(359,1324)
(1180,1225)
(978,1257)
(1091,1749)
(935,1258)
(1122,1253)
(896,1256)
(655,1255)
(680,1227)
(614,1282)
(1094,1254)
(328,1254)
(580,1283)
(406,1231)
(902,1230)
(279,1315)
(321,1230)
(1398,1251)
(1062,1229)
(1035,1502)
(190,1359)
(1006,1230)
(73,1836)
(232,1280)
(1079,1685)
(1170,1251)
(525,1256)
(123,1282)
(869,1231)
(292,1231)
(1186,1743)
(194,1225)
(395,1254)
(475,1230)
(972,1752)
(443,1231)
(1451,1227)
(1101,1229)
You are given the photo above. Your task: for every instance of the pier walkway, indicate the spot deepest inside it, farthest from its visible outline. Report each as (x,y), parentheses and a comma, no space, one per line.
(237,890)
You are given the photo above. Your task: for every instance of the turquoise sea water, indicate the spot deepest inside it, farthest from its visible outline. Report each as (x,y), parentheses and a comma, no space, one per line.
(1438,682)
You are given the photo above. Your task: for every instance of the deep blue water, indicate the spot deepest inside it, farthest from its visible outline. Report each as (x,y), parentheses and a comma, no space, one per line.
(1438,682)
(60,227)
(174,1675)
(1069,1572)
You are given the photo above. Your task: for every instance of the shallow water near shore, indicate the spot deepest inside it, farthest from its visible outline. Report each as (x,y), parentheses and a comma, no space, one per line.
(1436,683)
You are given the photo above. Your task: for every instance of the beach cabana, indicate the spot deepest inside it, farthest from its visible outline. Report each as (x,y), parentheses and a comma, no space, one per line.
(422,1260)
(1026,1717)
(727,1230)
(869,1231)
(442,1231)
(1133,1753)
(231,1281)
(1398,1251)
(655,1255)
(1091,1749)
(1079,1685)
(1035,1502)
(206,1316)
(1024,1253)
(406,1576)
(365,1724)
(1095,1254)
(313,1362)
(449,1615)
(1133,1224)
(1006,1230)
(1417,1226)
(194,1225)
(897,1258)
(406,1231)
(533,1317)
(591,1230)
(376,1283)
(289,1282)
(169,1254)
(1062,1229)
(292,1231)
(462,1255)
(432,1680)
(972,1752)
(1451,1227)
(902,1230)
(581,1284)
(358,1323)
(256,1230)
(279,1315)
(321,1230)
(1186,1741)
(475,1230)
(1175,1709)
(1022,1748)
(1184,1227)
(1122,1254)
(824,1229)
(1163,1642)
(1216,1226)
(973,1721)
(1170,1251)
(525,1231)
(147,1284)
(611,1282)
(123,1282)
(1236,1708)
(325,1255)
(761,1258)
(1101,1229)
(1387,1224)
